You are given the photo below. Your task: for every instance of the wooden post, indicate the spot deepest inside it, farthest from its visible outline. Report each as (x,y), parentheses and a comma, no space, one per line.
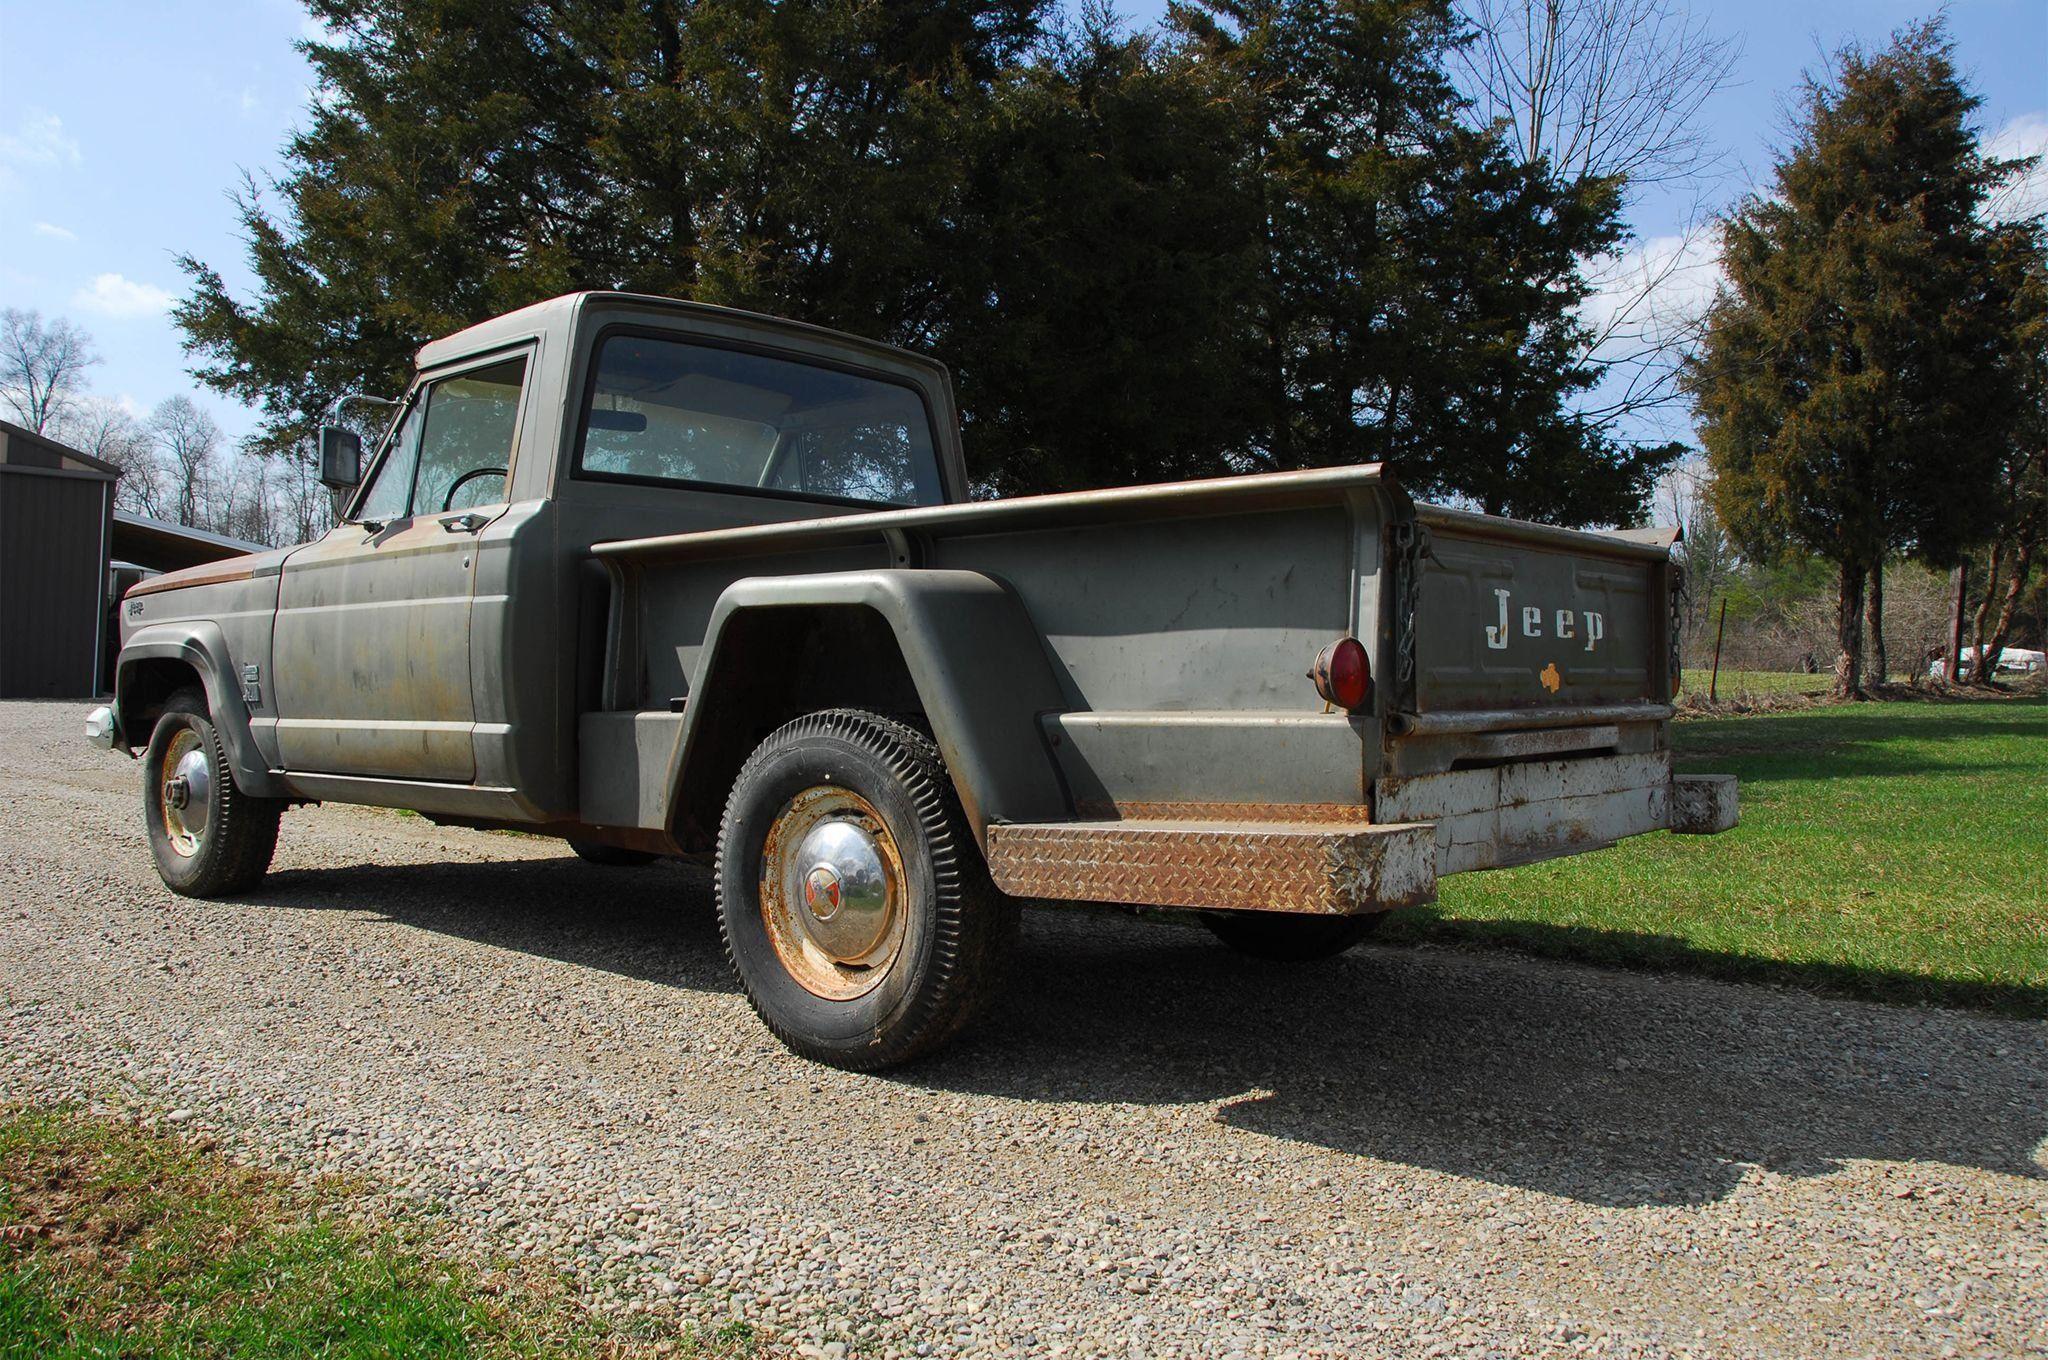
(1952,669)
(1714,680)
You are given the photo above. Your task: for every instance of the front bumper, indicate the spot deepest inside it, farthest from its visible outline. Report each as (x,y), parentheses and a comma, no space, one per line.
(103,728)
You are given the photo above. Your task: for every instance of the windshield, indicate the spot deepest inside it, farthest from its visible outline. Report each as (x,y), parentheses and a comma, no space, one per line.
(670,411)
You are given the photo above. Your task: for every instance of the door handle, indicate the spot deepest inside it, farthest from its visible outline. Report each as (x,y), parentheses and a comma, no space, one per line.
(463,524)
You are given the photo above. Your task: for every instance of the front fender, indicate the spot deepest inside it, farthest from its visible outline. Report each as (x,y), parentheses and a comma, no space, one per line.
(972,652)
(200,645)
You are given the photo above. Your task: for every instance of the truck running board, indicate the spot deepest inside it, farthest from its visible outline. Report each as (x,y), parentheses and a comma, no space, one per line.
(1318,868)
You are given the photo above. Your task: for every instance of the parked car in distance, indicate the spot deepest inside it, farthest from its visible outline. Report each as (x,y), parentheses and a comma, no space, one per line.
(2015,661)
(667,579)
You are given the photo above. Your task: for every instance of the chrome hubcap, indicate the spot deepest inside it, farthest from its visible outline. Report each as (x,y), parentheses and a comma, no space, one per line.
(187,792)
(831,892)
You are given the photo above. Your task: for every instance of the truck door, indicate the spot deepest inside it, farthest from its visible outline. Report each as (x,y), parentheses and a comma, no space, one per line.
(371,657)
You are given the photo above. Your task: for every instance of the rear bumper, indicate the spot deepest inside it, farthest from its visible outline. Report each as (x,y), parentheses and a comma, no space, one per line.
(1454,822)
(1704,804)
(1503,815)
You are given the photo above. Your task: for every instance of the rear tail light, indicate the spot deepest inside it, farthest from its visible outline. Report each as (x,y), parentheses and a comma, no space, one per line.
(1343,674)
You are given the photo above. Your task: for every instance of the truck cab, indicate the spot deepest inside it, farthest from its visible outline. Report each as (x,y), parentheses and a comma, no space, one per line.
(669,579)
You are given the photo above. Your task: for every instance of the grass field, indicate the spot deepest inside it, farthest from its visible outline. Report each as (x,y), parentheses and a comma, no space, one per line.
(1895,850)
(1734,683)
(116,1242)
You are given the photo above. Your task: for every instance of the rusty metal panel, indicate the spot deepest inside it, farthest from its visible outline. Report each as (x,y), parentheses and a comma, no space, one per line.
(1241,866)
(1100,810)
(1513,814)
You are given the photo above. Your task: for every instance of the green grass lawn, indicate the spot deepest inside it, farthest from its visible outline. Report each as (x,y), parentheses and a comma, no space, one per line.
(1735,684)
(116,1243)
(1893,850)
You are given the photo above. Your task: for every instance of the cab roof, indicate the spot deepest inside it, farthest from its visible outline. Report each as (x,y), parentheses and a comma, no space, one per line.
(561,314)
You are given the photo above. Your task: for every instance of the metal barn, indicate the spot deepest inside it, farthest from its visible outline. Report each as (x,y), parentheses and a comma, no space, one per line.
(56,524)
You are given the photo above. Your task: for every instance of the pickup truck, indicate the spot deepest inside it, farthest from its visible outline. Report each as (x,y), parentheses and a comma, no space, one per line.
(665,579)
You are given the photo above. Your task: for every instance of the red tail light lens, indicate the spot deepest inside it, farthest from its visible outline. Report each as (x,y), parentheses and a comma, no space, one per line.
(1343,674)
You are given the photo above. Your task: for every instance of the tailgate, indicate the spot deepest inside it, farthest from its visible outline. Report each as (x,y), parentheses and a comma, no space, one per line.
(1510,615)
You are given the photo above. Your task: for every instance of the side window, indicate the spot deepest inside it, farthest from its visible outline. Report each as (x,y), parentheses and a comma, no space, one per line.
(391,486)
(466,442)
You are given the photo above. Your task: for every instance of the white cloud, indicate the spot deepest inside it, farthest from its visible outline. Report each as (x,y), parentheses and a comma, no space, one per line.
(2026,135)
(55,232)
(1652,293)
(38,141)
(120,297)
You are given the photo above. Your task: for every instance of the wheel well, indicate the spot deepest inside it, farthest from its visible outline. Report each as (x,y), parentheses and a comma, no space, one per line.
(773,665)
(145,686)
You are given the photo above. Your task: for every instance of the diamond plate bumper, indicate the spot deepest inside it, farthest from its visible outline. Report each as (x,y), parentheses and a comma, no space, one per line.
(1320,868)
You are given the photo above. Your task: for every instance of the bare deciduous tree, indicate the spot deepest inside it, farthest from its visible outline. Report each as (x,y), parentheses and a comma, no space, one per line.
(1613,89)
(1599,88)
(189,443)
(1703,550)
(102,429)
(41,366)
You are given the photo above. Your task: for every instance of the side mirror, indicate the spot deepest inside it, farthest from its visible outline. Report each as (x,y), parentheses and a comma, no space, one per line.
(341,457)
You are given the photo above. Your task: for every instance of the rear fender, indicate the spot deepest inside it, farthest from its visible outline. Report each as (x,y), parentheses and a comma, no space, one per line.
(969,650)
(162,658)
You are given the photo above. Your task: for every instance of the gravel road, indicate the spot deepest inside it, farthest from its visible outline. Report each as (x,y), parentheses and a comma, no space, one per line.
(1149,1147)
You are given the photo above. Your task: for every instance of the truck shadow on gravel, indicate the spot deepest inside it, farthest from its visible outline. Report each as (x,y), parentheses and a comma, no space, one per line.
(656,924)
(1602,1086)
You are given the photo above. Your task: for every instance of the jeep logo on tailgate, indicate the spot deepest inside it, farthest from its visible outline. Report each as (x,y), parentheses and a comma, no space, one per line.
(1565,624)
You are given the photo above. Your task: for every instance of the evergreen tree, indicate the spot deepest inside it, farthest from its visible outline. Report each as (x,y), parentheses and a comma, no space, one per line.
(1853,387)
(1261,240)
(1414,282)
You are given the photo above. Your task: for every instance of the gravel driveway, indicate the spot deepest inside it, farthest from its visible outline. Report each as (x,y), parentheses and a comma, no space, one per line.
(1149,1147)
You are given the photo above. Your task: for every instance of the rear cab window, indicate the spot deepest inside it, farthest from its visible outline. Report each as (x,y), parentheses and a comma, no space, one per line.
(665,410)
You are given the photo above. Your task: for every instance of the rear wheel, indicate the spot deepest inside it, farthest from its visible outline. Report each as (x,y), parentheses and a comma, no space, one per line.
(854,905)
(209,838)
(612,856)
(1284,938)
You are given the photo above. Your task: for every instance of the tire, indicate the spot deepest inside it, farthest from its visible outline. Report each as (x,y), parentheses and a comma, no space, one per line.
(611,856)
(887,944)
(1282,938)
(208,841)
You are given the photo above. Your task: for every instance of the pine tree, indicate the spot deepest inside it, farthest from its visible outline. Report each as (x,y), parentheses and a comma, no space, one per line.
(1852,388)
(1265,239)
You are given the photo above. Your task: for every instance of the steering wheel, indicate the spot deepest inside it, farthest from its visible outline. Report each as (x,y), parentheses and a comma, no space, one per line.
(448,501)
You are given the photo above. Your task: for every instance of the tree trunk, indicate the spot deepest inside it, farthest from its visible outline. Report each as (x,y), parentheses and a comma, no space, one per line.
(2001,631)
(1980,674)
(1849,633)
(1879,669)
(1952,662)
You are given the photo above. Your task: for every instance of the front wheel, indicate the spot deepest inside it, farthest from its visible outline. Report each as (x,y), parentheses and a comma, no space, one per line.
(1280,937)
(854,905)
(208,837)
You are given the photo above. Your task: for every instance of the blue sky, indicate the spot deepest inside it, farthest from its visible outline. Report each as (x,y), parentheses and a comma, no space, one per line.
(125,126)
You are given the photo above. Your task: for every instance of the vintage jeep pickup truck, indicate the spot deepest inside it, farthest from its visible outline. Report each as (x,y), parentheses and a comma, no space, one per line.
(668,579)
